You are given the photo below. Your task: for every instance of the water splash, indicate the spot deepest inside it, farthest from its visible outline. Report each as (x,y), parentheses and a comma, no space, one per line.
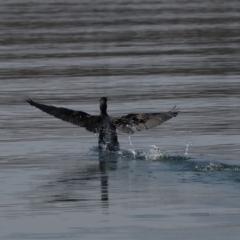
(134,153)
(154,153)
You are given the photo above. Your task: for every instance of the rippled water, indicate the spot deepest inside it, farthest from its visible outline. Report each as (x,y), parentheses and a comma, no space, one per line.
(177,181)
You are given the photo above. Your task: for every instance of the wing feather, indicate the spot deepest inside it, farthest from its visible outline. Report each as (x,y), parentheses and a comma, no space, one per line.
(79,118)
(130,122)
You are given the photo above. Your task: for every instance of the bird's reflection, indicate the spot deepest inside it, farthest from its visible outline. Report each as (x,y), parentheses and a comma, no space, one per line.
(107,161)
(77,183)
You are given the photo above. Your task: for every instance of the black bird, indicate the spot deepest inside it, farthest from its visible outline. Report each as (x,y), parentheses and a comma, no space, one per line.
(104,124)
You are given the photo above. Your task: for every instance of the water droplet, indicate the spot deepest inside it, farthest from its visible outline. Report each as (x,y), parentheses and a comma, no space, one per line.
(129,139)
(188,144)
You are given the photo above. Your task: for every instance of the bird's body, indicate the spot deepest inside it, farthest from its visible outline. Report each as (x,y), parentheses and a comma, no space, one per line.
(108,135)
(105,125)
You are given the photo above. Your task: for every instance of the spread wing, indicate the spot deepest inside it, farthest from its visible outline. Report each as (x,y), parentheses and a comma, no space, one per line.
(79,118)
(131,122)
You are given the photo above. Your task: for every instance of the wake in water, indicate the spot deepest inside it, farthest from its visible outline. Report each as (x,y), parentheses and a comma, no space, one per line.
(217,167)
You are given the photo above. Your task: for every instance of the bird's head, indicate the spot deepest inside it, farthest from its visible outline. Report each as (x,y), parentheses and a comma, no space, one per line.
(103,100)
(103,105)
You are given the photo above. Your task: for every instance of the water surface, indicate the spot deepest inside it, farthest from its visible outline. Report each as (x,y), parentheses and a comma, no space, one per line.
(179,180)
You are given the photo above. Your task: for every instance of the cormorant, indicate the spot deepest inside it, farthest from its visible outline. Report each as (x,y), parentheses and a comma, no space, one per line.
(104,124)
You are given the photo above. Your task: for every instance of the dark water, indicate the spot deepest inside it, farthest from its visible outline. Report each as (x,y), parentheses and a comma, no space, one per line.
(177,181)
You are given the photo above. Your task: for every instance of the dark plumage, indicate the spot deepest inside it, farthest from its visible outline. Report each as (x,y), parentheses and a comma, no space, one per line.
(105,125)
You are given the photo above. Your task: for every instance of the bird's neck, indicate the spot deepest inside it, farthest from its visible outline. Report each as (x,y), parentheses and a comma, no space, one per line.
(103,109)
